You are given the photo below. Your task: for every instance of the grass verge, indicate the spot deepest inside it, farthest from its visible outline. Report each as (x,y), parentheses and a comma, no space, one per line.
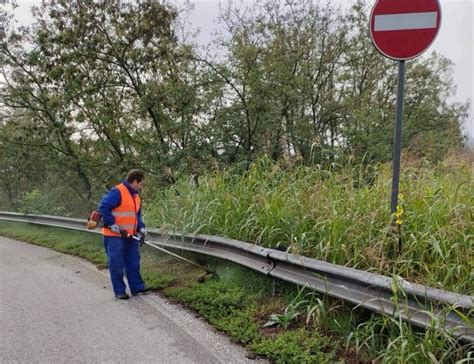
(306,328)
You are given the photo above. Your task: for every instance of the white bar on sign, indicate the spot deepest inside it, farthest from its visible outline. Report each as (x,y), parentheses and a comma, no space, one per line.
(405,21)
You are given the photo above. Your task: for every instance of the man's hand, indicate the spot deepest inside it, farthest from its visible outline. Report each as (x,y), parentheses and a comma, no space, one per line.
(141,236)
(115,228)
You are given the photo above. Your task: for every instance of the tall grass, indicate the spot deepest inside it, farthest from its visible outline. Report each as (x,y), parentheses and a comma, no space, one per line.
(340,214)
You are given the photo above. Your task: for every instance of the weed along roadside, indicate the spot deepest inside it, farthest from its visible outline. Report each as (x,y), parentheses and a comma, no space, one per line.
(273,319)
(267,135)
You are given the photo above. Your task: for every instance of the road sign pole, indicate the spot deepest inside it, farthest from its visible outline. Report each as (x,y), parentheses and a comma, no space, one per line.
(397,145)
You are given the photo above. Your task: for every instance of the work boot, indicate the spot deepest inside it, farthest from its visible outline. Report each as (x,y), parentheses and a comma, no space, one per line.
(143,291)
(122,296)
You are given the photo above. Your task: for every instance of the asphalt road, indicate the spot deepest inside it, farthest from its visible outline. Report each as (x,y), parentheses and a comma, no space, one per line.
(55,308)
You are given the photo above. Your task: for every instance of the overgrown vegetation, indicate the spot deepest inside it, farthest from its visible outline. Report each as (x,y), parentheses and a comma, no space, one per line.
(240,302)
(287,118)
(92,89)
(340,215)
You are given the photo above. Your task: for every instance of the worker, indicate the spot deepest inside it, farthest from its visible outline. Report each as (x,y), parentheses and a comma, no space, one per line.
(122,218)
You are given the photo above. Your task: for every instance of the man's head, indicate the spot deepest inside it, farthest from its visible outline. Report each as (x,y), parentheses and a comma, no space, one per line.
(135,179)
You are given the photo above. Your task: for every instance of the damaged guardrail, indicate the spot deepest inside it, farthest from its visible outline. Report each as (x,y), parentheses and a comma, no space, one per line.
(419,305)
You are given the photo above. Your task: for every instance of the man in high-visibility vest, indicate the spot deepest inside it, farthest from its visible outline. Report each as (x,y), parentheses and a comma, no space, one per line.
(121,214)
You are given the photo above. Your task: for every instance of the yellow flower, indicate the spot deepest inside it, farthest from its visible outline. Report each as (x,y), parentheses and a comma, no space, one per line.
(399,215)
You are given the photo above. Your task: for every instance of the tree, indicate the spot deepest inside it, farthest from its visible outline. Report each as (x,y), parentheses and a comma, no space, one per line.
(107,84)
(93,89)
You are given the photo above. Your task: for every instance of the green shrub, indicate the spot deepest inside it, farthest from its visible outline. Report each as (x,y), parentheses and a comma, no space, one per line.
(240,326)
(35,202)
(213,300)
(298,346)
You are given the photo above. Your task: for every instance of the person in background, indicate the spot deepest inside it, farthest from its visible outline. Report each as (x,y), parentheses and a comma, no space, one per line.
(122,218)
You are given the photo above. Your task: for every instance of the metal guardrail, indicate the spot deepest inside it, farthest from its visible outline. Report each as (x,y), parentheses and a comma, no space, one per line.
(419,305)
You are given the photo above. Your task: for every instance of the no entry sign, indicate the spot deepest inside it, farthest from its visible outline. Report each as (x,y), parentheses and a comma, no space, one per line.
(400,30)
(403,29)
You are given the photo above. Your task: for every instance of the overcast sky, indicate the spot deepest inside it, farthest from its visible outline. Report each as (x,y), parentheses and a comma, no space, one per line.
(455,39)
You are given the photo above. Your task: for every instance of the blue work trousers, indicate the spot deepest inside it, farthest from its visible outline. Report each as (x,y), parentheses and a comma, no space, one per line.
(124,255)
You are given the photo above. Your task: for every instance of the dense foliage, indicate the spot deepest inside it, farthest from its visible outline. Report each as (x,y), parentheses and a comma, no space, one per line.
(92,89)
(287,117)
(340,215)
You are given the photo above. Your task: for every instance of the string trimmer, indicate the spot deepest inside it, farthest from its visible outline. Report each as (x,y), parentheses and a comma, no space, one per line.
(200,279)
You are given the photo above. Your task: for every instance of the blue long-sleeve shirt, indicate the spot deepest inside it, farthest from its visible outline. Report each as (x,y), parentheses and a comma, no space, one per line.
(111,200)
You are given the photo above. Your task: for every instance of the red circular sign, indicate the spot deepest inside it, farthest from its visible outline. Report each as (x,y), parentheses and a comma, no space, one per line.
(403,29)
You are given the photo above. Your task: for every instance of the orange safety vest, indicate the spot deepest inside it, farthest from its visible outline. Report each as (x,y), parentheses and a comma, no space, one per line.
(126,213)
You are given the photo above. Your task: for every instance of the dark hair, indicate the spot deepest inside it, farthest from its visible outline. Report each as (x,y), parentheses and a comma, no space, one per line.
(135,174)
